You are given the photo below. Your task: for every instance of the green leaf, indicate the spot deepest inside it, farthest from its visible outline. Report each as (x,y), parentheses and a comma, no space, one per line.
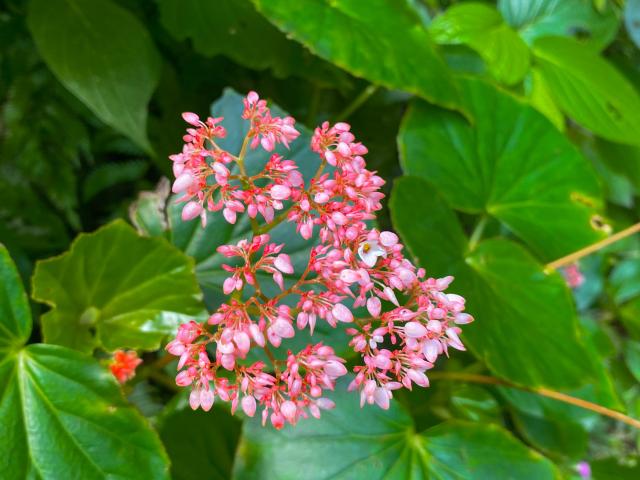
(115,289)
(110,174)
(481,27)
(15,316)
(573,18)
(103,55)
(370,42)
(541,99)
(632,357)
(512,164)
(63,416)
(614,469)
(212,438)
(234,28)
(350,442)
(589,89)
(526,328)
(625,280)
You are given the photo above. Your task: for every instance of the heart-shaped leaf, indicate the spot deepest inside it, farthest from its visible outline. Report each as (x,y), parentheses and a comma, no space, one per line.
(116,289)
(350,442)
(61,414)
(511,164)
(103,55)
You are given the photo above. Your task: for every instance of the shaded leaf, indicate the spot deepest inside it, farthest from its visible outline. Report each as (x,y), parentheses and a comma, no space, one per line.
(115,289)
(234,28)
(103,55)
(632,20)
(210,446)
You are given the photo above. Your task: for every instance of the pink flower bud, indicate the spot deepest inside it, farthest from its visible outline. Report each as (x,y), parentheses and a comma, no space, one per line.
(374,306)
(415,330)
(206,399)
(335,369)
(342,313)
(283,263)
(191,118)
(388,239)
(182,183)
(289,410)
(191,210)
(249,405)
(280,192)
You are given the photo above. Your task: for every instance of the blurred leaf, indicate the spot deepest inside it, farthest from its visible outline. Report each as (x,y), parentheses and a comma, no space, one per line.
(571,18)
(589,89)
(15,316)
(234,28)
(62,415)
(632,357)
(148,212)
(354,442)
(481,27)
(511,164)
(632,20)
(613,469)
(511,296)
(115,289)
(102,54)
(370,42)
(474,403)
(210,446)
(541,98)
(108,175)
(625,280)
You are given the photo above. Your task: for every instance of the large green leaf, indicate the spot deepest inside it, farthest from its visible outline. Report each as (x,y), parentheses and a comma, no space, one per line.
(15,316)
(589,89)
(352,443)
(212,440)
(481,27)
(526,328)
(511,164)
(102,54)
(63,416)
(572,18)
(370,42)
(115,289)
(234,28)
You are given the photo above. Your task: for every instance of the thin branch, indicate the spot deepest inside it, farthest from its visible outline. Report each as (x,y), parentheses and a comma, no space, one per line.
(545,392)
(357,103)
(575,256)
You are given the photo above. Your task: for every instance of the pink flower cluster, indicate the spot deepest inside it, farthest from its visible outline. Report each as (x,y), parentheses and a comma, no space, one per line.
(399,320)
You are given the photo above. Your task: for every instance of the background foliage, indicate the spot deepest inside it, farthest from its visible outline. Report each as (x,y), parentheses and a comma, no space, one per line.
(509,136)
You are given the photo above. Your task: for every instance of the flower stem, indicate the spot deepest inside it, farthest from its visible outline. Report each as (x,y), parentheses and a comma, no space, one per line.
(357,102)
(583,252)
(545,392)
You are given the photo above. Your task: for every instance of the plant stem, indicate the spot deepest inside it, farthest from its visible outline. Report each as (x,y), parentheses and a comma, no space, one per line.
(545,392)
(357,102)
(583,252)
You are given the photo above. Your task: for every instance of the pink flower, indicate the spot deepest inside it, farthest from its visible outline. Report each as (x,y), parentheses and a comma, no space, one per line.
(410,319)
